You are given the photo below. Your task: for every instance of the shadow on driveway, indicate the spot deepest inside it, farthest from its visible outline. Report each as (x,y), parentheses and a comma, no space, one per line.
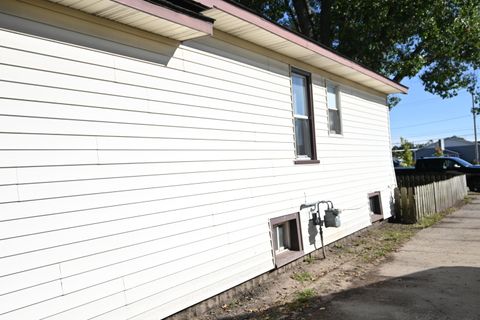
(437,294)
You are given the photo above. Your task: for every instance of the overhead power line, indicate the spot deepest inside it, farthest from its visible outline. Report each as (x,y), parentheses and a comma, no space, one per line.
(440,133)
(429,122)
(409,103)
(432,139)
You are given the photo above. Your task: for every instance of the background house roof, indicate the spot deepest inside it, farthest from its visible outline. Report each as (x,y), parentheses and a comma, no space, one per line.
(454,146)
(450,142)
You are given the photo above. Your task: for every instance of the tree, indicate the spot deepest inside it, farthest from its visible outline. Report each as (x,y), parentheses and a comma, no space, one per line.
(438,151)
(407,154)
(439,40)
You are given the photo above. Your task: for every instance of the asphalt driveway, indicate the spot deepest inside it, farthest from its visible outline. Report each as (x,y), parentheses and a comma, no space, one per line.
(436,275)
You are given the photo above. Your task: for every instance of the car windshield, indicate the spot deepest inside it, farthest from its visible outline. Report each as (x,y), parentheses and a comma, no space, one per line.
(463,162)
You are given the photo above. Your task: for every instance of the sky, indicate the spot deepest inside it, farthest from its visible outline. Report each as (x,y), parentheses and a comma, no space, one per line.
(421,116)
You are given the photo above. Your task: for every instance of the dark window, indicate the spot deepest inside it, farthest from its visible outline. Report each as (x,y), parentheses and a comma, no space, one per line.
(286,238)
(303,115)
(333,105)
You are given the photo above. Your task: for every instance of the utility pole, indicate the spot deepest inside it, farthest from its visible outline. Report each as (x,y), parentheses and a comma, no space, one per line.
(474,112)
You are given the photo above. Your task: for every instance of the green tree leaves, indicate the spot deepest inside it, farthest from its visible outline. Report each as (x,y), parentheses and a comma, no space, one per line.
(407,154)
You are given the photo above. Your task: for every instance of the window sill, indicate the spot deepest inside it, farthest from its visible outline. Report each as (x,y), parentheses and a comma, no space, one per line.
(306,161)
(287,256)
(333,134)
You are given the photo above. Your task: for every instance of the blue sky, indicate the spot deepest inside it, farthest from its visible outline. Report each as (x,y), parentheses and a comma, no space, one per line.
(421,116)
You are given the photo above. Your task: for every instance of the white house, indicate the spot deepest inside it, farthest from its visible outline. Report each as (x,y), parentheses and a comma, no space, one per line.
(155,154)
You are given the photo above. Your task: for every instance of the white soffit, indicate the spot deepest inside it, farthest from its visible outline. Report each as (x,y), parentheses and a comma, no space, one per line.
(144,15)
(245,30)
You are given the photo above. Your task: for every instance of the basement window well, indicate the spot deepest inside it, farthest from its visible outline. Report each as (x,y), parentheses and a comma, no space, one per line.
(286,238)
(376,212)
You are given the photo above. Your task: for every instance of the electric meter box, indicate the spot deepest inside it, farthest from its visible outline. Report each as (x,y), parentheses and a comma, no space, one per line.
(332,218)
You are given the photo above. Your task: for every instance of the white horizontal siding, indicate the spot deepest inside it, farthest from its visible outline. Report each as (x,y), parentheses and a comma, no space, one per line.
(141,86)
(358,155)
(132,189)
(61,112)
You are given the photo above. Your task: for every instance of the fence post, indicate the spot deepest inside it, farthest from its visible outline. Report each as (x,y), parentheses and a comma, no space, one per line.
(411,205)
(404,198)
(398,206)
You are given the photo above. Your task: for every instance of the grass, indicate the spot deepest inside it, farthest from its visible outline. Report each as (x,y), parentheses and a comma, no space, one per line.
(467,199)
(342,248)
(234,303)
(305,295)
(378,243)
(430,220)
(391,240)
(309,259)
(398,236)
(387,242)
(303,276)
(301,300)
(339,246)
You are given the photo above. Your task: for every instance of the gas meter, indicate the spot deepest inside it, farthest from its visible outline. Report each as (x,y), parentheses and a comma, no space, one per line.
(332,218)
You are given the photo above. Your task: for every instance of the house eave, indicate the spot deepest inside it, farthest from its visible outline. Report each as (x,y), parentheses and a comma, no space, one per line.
(178,24)
(171,20)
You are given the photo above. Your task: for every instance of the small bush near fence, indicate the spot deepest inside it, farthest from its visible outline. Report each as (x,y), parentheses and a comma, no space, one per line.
(421,195)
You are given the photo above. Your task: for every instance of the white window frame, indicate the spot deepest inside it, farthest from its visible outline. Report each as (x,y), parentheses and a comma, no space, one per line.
(286,236)
(337,107)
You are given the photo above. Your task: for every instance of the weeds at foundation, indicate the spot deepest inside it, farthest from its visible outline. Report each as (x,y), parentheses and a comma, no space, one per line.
(309,259)
(305,295)
(429,221)
(303,277)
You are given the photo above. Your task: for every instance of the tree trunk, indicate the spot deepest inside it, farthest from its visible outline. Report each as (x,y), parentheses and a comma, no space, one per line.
(304,19)
(291,13)
(325,34)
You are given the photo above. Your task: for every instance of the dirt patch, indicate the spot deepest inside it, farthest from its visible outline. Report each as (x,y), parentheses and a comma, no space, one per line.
(298,292)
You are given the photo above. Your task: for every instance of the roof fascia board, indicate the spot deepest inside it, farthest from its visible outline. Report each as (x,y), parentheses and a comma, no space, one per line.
(298,40)
(168,14)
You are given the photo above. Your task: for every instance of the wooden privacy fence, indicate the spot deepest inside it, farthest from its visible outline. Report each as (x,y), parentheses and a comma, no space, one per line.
(413,202)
